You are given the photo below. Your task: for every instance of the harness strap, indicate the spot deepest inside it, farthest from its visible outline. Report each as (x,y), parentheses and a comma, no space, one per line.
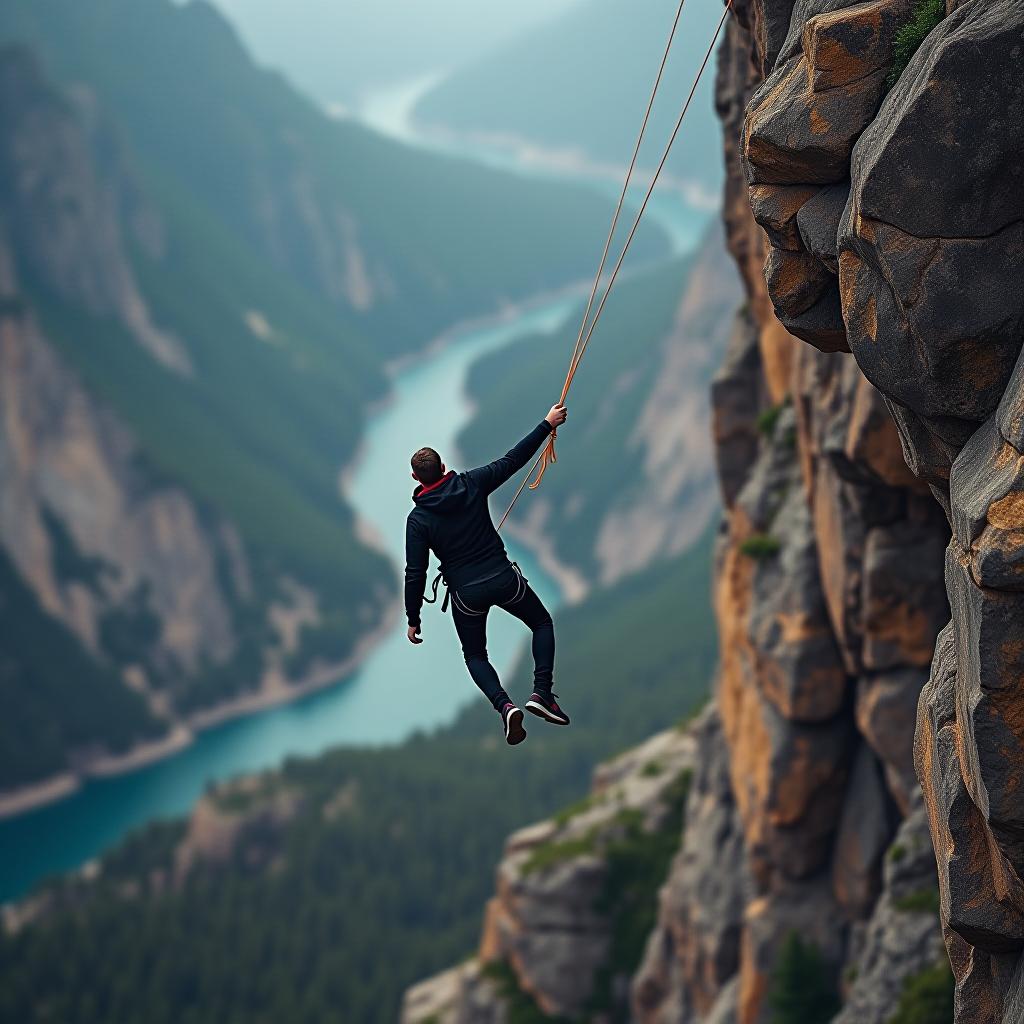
(439,578)
(433,590)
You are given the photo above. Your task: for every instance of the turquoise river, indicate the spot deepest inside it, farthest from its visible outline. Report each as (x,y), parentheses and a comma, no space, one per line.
(372,705)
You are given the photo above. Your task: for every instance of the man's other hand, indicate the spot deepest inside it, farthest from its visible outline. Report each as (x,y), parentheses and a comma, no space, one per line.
(414,635)
(557,416)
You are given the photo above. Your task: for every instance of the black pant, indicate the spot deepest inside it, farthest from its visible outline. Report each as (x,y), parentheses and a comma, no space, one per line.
(509,591)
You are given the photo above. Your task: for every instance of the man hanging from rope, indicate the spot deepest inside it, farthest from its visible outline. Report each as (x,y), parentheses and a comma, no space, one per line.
(452,519)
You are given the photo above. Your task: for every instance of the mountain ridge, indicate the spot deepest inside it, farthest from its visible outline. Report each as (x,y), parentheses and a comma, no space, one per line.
(574,84)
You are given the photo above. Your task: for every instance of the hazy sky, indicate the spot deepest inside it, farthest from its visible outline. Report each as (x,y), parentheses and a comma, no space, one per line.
(335,49)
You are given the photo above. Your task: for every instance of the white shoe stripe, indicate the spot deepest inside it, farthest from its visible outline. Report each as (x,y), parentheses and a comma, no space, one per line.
(551,716)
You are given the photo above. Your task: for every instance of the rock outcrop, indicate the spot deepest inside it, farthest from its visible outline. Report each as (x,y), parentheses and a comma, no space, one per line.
(558,934)
(900,942)
(693,953)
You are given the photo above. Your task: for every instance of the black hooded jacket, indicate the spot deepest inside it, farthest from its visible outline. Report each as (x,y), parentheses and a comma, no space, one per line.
(451,518)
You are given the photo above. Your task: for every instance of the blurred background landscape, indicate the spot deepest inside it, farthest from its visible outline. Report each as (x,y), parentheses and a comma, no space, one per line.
(252,256)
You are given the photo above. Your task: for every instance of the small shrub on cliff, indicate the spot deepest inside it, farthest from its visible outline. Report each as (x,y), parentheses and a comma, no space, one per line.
(546,855)
(927,997)
(581,806)
(802,989)
(927,14)
(767,419)
(520,1006)
(761,545)
(686,722)
(923,901)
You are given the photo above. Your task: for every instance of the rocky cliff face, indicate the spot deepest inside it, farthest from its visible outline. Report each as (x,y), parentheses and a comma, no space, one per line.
(564,931)
(130,568)
(870,405)
(86,529)
(72,489)
(894,218)
(65,195)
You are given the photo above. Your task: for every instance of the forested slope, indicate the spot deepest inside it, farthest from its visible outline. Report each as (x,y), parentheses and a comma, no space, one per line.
(327,887)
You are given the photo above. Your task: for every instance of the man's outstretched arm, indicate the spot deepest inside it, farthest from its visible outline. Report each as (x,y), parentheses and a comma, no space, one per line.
(417,556)
(490,477)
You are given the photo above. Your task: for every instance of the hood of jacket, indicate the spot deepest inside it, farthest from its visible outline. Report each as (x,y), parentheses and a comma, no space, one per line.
(449,494)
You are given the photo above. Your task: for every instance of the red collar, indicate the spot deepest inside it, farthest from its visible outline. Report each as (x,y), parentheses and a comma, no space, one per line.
(427,488)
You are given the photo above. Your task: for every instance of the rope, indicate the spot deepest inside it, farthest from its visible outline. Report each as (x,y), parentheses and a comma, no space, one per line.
(547,455)
(625,184)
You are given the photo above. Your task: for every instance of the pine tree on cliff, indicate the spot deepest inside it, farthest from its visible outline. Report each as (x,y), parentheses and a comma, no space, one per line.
(802,991)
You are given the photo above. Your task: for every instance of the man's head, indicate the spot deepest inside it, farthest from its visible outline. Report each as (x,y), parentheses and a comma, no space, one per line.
(427,466)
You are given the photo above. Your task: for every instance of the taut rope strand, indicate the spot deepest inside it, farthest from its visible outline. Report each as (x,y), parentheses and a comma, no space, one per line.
(547,455)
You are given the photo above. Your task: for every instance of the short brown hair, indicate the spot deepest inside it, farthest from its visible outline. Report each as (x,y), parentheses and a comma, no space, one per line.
(427,465)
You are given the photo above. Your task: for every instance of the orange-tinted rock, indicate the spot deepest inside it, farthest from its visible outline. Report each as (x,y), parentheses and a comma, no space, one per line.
(972,872)
(990,658)
(987,499)
(930,261)
(935,323)
(818,221)
(865,828)
(794,135)
(775,208)
(782,680)
(872,438)
(735,399)
(896,944)
(795,280)
(886,713)
(904,608)
(849,44)
(808,909)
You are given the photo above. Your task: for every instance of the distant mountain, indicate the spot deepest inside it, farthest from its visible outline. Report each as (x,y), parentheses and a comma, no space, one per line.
(581,81)
(336,52)
(402,242)
(635,482)
(201,278)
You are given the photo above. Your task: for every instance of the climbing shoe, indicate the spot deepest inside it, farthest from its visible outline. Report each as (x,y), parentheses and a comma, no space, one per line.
(544,705)
(512,719)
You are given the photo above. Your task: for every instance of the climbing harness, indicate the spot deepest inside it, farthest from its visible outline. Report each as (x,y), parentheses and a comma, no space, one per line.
(451,594)
(547,455)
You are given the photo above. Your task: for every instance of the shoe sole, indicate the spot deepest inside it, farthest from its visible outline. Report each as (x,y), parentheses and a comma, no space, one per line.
(514,731)
(542,712)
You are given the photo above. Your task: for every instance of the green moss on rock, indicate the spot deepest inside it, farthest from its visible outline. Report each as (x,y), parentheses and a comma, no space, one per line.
(927,998)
